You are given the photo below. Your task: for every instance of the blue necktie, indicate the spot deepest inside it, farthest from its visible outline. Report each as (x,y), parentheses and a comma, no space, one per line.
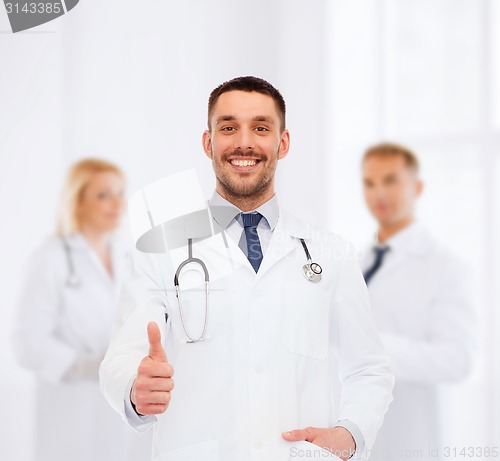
(379,259)
(250,222)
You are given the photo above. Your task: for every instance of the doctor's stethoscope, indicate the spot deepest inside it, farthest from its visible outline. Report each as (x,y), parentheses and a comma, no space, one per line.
(72,280)
(311,270)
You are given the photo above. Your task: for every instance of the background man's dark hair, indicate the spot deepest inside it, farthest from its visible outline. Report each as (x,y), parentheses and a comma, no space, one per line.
(249,84)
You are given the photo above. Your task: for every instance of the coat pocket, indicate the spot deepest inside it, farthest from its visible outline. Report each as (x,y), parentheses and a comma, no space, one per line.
(203,451)
(306,318)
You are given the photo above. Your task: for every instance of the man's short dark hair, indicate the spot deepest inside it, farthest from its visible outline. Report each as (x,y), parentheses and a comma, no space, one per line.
(249,84)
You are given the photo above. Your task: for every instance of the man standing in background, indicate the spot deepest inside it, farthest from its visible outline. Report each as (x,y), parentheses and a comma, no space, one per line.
(421,303)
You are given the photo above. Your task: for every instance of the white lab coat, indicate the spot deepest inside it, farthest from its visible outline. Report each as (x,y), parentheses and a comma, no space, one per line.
(421,301)
(269,363)
(60,327)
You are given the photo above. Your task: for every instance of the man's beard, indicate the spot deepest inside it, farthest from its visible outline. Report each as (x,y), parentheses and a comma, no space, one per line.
(244,188)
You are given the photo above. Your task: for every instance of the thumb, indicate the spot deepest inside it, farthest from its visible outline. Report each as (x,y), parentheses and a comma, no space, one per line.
(156,351)
(308,434)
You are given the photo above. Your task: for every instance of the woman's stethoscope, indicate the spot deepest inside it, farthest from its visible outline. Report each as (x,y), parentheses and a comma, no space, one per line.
(311,270)
(72,281)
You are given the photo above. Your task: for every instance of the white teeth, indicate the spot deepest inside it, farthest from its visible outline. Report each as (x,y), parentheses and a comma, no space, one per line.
(243,162)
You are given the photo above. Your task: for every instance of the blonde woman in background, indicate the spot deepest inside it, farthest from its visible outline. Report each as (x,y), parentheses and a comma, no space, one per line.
(66,311)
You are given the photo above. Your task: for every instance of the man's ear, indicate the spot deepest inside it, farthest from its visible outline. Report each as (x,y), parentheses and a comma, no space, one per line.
(207,143)
(420,187)
(284,144)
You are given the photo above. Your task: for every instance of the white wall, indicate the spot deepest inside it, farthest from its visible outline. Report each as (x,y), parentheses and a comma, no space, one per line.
(136,83)
(425,74)
(130,81)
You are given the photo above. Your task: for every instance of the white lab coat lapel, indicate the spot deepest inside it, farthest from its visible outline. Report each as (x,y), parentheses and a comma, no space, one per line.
(393,261)
(78,243)
(118,255)
(415,242)
(283,241)
(221,259)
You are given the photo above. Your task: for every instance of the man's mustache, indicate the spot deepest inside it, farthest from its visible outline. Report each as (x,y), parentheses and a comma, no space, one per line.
(245,154)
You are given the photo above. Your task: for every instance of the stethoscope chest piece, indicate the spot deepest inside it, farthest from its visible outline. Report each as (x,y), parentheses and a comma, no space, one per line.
(312,272)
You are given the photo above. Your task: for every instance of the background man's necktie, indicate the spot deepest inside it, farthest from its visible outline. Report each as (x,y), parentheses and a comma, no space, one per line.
(250,222)
(379,259)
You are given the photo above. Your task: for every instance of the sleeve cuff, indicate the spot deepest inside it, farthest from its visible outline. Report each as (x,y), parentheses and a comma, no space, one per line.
(138,422)
(359,440)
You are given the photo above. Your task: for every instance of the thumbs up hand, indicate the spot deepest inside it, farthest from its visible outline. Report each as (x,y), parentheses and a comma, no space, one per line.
(151,389)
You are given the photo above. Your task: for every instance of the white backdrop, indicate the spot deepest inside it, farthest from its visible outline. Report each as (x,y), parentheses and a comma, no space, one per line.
(129,81)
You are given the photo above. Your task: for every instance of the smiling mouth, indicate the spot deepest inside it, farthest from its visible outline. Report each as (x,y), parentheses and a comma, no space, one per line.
(244,162)
(244,165)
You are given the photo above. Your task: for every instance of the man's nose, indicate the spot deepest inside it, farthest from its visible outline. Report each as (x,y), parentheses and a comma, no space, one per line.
(118,202)
(379,193)
(245,140)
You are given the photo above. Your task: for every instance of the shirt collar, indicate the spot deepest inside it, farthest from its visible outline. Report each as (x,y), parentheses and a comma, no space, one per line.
(76,241)
(224,212)
(402,239)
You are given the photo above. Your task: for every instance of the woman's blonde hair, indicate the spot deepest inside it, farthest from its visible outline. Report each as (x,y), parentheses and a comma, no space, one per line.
(77,179)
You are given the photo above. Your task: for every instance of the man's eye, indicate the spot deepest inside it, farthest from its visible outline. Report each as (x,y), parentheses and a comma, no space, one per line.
(261,128)
(227,128)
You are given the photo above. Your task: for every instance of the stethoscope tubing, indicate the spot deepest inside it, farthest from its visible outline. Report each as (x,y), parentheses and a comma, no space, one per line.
(311,270)
(198,261)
